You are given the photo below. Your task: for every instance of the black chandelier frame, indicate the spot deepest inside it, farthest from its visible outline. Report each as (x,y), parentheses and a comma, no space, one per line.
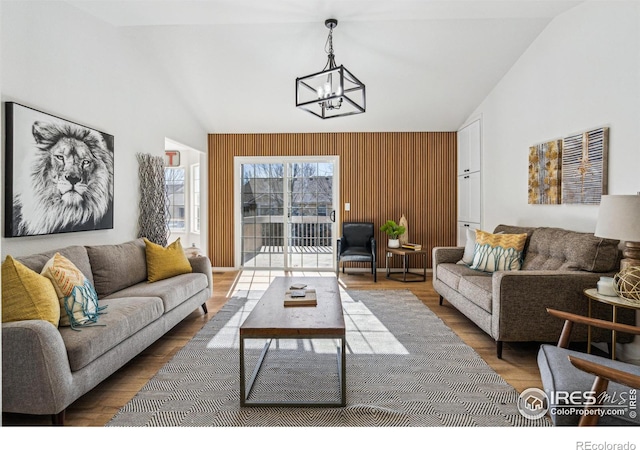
(332,92)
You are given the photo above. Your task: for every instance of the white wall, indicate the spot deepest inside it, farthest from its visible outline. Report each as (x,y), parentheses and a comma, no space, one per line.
(581,73)
(62,61)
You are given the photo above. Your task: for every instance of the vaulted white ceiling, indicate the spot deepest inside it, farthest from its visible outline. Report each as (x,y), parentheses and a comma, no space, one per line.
(426,64)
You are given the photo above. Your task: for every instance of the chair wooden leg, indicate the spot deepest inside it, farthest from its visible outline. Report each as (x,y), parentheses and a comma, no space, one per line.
(58,419)
(499,349)
(204,308)
(590,420)
(441,300)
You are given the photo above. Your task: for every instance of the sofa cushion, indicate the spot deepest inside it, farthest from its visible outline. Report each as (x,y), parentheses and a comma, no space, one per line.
(477,290)
(165,262)
(450,274)
(498,251)
(558,374)
(173,291)
(125,318)
(109,272)
(27,295)
(75,253)
(78,298)
(559,249)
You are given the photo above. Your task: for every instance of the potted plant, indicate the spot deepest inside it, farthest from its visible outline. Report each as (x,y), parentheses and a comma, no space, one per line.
(393,230)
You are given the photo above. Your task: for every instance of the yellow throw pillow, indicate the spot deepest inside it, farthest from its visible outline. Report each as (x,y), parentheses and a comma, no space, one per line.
(165,262)
(27,295)
(496,252)
(77,296)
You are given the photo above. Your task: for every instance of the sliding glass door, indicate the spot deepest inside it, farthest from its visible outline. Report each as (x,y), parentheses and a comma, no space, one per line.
(285,214)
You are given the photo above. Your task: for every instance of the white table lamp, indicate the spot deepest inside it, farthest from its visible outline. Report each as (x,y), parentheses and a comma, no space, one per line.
(619,218)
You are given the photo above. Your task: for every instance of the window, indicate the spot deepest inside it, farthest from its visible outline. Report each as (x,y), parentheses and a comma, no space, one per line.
(175,185)
(195,198)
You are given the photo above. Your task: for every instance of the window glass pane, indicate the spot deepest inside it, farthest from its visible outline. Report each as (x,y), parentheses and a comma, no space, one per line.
(195,198)
(174,185)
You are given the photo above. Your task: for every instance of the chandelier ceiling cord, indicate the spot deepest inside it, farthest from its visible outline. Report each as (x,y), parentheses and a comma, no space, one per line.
(325,93)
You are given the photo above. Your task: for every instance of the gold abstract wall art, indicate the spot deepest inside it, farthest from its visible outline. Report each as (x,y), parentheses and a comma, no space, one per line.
(584,167)
(545,173)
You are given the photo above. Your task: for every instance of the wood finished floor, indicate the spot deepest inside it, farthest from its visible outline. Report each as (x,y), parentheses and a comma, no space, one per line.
(518,366)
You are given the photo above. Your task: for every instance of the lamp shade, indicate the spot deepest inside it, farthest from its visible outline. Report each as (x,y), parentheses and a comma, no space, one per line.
(619,217)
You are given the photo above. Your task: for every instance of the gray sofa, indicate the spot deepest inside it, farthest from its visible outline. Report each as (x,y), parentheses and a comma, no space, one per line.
(510,306)
(45,369)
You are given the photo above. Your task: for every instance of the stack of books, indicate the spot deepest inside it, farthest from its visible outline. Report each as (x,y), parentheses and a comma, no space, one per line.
(410,246)
(299,295)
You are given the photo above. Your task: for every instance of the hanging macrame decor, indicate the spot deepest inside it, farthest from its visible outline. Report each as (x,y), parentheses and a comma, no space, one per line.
(154,205)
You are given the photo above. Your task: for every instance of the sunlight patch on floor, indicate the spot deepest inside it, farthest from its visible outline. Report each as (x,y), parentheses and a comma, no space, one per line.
(366,334)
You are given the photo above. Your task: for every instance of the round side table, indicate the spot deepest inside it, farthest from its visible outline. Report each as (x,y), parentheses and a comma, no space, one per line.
(615,302)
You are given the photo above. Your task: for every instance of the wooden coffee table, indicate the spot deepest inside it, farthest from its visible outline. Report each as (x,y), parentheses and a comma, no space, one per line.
(270,319)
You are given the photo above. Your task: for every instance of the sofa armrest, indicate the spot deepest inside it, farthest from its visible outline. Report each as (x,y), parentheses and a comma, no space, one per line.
(36,376)
(447,255)
(520,300)
(442,255)
(202,264)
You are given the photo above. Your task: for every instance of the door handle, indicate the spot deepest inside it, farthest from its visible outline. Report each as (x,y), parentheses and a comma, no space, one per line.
(332,216)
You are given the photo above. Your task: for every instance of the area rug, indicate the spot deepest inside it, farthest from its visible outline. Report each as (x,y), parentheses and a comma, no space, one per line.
(405,368)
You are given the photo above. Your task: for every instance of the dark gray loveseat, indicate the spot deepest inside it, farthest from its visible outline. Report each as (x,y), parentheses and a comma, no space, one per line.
(45,369)
(510,306)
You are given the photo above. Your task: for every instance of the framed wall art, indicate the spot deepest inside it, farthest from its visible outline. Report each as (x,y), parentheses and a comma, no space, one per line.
(584,167)
(58,174)
(545,173)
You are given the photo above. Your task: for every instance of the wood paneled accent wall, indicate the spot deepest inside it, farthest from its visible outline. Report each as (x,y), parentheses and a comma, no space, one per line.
(382,176)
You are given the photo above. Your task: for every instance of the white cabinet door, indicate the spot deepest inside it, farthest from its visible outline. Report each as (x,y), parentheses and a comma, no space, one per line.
(473,160)
(469,176)
(473,193)
(463,151)
(469,144)
(463,198)
(469,198)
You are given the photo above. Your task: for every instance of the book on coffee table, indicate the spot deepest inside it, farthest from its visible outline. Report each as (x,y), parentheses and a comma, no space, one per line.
(299,297)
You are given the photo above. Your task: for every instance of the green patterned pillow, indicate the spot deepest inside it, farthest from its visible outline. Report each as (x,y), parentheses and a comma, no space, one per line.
(496,252)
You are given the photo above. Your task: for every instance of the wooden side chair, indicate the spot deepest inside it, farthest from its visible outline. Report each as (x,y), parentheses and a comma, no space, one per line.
(612,383)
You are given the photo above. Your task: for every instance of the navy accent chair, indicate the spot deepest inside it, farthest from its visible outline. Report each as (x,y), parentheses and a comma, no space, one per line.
(357,244)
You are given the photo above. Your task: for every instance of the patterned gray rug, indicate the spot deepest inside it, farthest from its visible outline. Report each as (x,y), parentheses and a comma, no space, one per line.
(405,368)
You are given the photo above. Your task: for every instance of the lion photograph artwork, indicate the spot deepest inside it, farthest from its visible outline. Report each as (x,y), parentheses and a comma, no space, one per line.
(59,175)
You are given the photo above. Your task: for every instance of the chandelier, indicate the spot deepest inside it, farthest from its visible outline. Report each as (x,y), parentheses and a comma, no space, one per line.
(335,91)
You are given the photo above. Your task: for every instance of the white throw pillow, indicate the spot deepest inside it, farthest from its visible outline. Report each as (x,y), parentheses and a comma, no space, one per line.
(469,248)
